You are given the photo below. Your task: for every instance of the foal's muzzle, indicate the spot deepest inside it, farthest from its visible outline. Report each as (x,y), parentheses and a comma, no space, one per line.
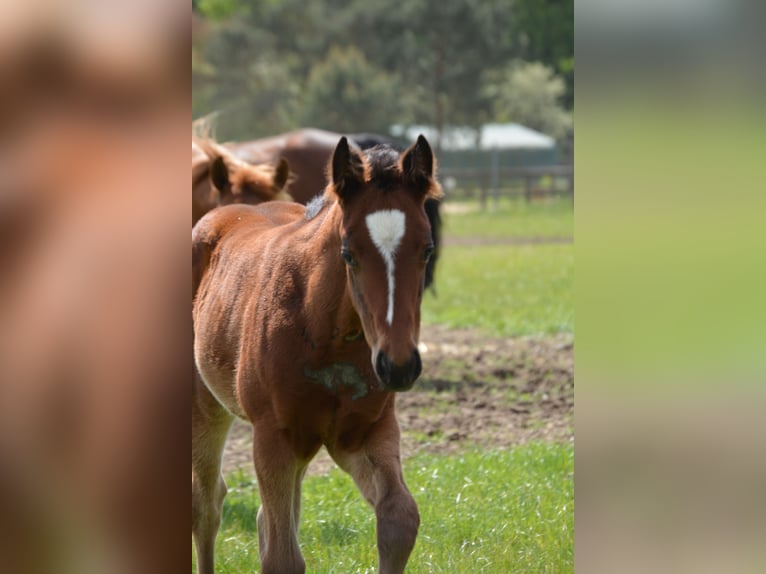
(398,377)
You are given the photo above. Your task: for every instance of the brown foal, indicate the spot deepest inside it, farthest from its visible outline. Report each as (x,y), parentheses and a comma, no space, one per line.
(306,322)
(220,178)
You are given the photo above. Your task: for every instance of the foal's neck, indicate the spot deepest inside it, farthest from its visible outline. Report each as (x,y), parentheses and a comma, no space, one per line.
(327,291)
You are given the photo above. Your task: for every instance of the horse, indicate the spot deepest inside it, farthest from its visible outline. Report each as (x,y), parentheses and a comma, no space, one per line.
(306,325)
(308,150)
(220,178)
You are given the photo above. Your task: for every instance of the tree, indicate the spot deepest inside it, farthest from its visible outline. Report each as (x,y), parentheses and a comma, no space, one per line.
(264,60)
(438,48)
(346,93)
(530,93)
(543,30)
(245,82)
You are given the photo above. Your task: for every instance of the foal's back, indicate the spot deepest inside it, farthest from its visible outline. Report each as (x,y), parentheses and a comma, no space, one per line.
(240,226)
(236,251)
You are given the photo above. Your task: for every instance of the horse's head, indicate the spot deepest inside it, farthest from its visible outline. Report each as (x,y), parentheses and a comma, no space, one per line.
(240,182)
(220,178)
(386,242)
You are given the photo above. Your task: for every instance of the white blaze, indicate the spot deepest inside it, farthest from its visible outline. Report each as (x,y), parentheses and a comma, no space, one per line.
(386,230)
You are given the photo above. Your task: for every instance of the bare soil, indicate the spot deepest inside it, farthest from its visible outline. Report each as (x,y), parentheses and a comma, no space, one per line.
(475,391)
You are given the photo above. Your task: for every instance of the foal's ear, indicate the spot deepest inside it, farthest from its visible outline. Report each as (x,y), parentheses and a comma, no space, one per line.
(219,174)
(418,162)
(347,170)
(281,174)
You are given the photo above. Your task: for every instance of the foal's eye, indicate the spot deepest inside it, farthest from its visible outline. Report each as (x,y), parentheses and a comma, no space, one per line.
(348,258)
(428,252)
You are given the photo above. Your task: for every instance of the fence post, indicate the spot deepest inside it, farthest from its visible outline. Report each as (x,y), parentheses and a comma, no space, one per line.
(483,184)
(495,176)
(571,185)
(528,188)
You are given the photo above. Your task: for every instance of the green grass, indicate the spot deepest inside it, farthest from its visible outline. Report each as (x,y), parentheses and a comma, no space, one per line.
(506,290)
(511,218)
(492,512)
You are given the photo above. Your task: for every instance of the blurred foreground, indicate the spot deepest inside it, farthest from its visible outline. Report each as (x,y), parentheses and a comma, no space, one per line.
(93,295)
(669,289)
(93,308)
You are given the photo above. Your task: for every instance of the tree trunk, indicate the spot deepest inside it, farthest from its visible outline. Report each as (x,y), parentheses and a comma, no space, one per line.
(439,111)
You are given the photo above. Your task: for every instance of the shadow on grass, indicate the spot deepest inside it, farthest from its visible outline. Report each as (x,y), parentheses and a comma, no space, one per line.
(334,533)
(241,515)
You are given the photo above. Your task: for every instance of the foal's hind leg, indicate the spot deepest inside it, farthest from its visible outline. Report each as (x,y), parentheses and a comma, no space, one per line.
(377,471)
(210,427)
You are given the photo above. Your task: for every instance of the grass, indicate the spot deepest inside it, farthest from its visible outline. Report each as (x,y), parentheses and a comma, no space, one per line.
(511,217)
(503,289)
(503,512)
(490,512)
(506,290)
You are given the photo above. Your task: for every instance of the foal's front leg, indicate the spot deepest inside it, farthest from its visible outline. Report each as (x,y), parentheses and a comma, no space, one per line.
(279,474)
(376,469)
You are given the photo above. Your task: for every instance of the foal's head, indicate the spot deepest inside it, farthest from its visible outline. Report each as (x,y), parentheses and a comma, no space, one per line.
(220,178)
(241,182)
(386,243)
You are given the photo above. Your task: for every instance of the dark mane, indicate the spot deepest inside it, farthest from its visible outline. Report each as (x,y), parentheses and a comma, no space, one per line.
(384,171)
(383,166)
(314,206)
(366,141)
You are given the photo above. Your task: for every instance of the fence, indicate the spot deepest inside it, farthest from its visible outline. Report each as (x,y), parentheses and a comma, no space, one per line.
(494,181)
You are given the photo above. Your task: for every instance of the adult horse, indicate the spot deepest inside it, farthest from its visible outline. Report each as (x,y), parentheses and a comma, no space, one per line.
(220,178)
(306,322)
(308,150)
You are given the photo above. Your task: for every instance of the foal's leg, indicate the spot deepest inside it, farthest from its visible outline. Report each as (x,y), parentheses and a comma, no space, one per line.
(261,519)
(279,473)
(377,471)
(210,427)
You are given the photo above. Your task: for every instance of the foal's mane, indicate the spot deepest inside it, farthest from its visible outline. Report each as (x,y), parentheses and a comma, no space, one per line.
(383,169)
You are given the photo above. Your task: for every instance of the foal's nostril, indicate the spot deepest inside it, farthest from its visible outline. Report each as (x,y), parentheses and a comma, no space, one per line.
(382,367)
(416,365)
(398,377)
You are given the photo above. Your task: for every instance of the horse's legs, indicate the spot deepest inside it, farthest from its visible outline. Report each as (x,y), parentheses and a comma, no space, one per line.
(210,427)
(297,498)
(279,474)
(261,519)
(377,471)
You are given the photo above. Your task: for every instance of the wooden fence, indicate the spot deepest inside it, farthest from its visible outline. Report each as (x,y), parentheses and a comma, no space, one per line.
(538,181)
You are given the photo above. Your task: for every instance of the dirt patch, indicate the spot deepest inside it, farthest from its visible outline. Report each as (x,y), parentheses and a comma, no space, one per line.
(475,391)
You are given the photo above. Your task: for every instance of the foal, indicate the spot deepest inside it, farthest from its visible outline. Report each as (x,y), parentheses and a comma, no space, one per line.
(306,322)
(220,178)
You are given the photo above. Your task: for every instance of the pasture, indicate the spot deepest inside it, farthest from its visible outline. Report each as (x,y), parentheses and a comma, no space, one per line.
(498,511)
(487,432)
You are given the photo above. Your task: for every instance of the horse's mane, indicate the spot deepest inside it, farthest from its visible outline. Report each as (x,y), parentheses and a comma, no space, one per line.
(383,169)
